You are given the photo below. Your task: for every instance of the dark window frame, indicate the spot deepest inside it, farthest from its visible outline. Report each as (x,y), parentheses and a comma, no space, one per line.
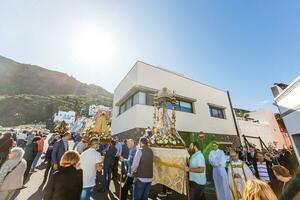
(149,102)
(220,112)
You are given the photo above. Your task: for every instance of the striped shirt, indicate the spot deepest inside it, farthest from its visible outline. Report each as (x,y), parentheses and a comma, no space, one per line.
(263,171)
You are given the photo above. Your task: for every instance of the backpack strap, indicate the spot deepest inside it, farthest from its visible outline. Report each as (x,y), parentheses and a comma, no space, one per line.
(13,168)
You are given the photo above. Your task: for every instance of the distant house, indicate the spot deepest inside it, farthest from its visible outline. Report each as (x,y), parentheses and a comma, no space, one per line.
(260,123)
(68,117)
(94,108)
(287,99)
(200,107)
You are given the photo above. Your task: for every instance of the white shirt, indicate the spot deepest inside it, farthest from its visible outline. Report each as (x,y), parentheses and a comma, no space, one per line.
(21,136)
(88,161)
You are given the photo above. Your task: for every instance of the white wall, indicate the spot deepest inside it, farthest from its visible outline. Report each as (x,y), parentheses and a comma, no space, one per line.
(146,75)
(68,117)
(267,128)
(289,100)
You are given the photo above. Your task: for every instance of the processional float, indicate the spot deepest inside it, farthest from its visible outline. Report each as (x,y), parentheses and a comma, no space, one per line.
(170,155)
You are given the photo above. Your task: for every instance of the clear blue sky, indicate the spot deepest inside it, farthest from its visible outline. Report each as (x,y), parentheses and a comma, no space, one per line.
(240,46)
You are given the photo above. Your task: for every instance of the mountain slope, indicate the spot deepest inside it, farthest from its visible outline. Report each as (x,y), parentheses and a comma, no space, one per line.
(17,78)
(30,94)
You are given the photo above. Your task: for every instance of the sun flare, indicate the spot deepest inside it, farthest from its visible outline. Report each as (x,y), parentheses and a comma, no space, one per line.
(92,45)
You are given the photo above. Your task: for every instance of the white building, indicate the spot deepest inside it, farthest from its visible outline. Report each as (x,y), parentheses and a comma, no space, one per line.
(200,107)
(94,108)
(261,123)
(68,117)
(288,103)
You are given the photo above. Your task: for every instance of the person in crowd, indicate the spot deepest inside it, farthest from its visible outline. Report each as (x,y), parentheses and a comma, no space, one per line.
(263,168)
(14,134)
(196,170)
(12,173)
(82,145)
(91,162)
(108,164)
(127,163)
(40,144)
(274,183)
(77,139)
(22,139)
(6,143)
(124,155)
(30,137)
(242,153)
(292,190)
(283,175)
(48,159)
(258,190)
(31,150)
(251,159)
(59,148)
(117,158)
(66,183)
(238,174)
(218,160)
(148,132)
(142,167)
(102,148)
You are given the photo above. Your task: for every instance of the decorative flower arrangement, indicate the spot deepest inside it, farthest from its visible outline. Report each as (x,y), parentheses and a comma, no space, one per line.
(62,128)
(103,137)
(167,140)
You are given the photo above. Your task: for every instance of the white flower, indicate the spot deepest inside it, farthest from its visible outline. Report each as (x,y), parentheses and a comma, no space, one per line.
(174,142)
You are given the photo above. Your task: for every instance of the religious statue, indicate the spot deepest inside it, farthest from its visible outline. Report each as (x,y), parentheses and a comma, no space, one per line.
(164,131)
(100,123)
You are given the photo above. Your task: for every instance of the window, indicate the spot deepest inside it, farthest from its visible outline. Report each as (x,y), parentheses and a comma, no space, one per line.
(296,139)
(122,108)
(169,105)
(128,103)
(181,106)
(146,98)
(142,98)
(135,99)
(217,112)
(186,106)
(150,99)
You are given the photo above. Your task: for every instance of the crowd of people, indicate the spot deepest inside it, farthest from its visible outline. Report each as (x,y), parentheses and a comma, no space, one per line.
(254,175)
(19,155)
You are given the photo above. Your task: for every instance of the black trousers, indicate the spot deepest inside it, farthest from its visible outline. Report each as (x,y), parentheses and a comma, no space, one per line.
(26,174)
(196,191)
(48,167)
(127,185)
(115,168)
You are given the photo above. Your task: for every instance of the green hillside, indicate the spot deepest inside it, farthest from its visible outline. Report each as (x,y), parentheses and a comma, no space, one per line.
(30,94)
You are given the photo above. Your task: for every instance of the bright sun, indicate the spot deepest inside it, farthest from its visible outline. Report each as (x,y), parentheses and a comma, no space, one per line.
(92,46)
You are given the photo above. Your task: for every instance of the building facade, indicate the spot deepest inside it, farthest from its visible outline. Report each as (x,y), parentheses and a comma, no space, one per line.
(95,108)
(199,107)
(288,103)
(261,123)
(68,117)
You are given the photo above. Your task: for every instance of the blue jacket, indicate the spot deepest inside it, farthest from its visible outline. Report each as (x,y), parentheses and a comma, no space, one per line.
(58,151)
